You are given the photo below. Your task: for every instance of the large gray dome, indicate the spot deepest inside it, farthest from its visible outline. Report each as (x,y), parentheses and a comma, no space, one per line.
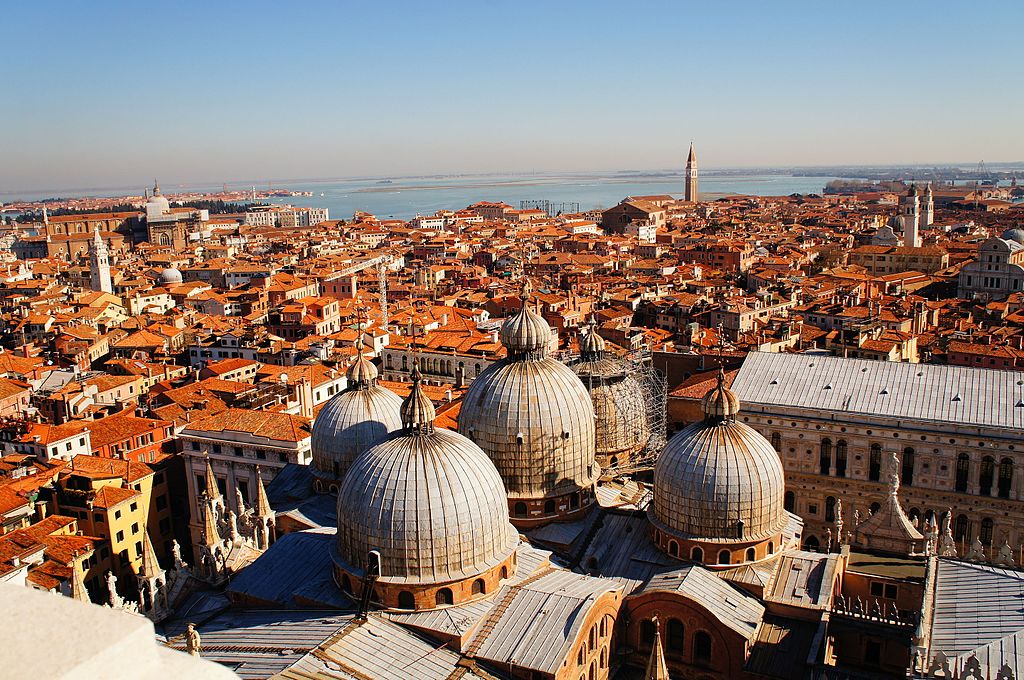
(353,420)
(1014,234)
(620,411)
(170,276)
(532,416)
(718,473)
(430,501)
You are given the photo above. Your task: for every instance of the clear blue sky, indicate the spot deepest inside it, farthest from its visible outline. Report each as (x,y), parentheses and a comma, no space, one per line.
(113,94)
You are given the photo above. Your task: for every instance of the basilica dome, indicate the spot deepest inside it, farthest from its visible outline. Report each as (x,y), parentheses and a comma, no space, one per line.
(620,411)
(719,485)
(352,421)
(157,204)
(1014,234)
(432,505)
(170,276)
(533,416)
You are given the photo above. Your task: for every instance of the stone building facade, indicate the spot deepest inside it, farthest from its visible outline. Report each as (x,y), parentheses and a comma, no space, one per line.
(956,431)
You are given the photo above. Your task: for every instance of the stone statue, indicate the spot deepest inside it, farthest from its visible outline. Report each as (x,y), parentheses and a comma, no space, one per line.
(839,523)
(1005,557)
(115,599)
(239,501)
(176,552)
(193,643)
(977,552)
(947,546)
(232,526)
(894,474)
(828,539)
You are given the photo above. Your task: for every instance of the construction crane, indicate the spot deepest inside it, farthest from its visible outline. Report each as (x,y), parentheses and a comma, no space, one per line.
(381,262)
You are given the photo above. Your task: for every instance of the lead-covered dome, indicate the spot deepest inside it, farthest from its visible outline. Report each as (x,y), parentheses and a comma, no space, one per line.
(533,416)
(719,481)
(352,421)
(1014,234)
(170,276)
(432,504)
(620,409)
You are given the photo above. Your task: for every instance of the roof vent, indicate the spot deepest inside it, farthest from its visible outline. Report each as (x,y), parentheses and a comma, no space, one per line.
(774,382)
(828,386)
(885,390)
(1020,403)
(956,397)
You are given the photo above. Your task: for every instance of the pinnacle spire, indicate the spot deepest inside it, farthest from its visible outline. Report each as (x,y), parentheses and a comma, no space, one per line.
(212,490)
(417,410)
(150,565)
(78,590)
(657,667)
(262,505)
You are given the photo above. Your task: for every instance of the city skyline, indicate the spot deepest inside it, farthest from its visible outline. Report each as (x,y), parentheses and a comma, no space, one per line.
(197,95)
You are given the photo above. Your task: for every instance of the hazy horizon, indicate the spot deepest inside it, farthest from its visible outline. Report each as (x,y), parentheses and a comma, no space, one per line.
(197,94)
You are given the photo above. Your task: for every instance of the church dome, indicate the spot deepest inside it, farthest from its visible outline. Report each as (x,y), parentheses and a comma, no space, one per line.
(353,420)
(620,412)
(430,502)
(1014,234)
(534,418)
(719,480)
(157,204)
(170,276)
(526,333)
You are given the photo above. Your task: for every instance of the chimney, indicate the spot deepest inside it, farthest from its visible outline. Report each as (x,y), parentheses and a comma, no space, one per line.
(306,398)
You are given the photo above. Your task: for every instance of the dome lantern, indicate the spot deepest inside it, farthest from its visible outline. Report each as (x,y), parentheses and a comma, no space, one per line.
(417,410)
(720,404)
(526,335)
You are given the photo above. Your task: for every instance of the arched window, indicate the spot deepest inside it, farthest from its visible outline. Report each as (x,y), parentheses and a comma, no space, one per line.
(777,442)
(697,554)
(789,501)
(825,457)
(701,647)
(1005,477)
(479,587)
(676,635)
(908,467)
(504,573)
(549,507)
(444,596)
(593,671)
(962,528)
(963,467)
(647,632)
(914,514)
(841,458)
(812,543)
(723,557)
(875,463)
(519,509)
(405,363)
(751,554)
(987,475)
(830,509)
(771,548)
(986,531)
(875,507)
(406,600)
(673,548)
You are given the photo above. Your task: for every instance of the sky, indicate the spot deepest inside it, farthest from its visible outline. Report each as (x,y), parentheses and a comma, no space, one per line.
(99,94)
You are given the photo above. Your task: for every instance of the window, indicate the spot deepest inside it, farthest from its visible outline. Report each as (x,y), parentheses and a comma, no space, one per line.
(406,600)
(777,442)
(988,474)
(986,531)
(873,652)
(724,557)
(161,501)
(908,467)
(841,458)
(216,448)
(519,509)
(479,587)
(875,463)
(751,554)
(647,633)
(701,647)
(549,507)
(676,635)
(138,548)
(117,514)
(963,465)
(697,554)
(825,457)
(444,596)
(120,535)
(133,507)
(1005,477)
(673,548)
(789,501)
(962,528)
(135,528)
(165,526)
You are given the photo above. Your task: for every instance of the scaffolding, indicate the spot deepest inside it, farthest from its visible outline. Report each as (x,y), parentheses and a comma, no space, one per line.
(550,209)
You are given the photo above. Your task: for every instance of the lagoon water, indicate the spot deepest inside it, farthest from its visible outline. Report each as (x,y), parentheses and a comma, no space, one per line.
(404,198)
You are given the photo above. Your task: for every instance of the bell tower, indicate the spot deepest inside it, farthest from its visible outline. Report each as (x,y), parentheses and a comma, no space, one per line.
(691,176)
(99,265)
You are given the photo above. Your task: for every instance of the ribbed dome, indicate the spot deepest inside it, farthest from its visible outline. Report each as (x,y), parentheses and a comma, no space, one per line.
(351,422)
(1014,234)
(620,413)
(430,501)
(591,345)
(526,333)
(721,402)
(362,371)
(170,275)
(535,420)
(717,474)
